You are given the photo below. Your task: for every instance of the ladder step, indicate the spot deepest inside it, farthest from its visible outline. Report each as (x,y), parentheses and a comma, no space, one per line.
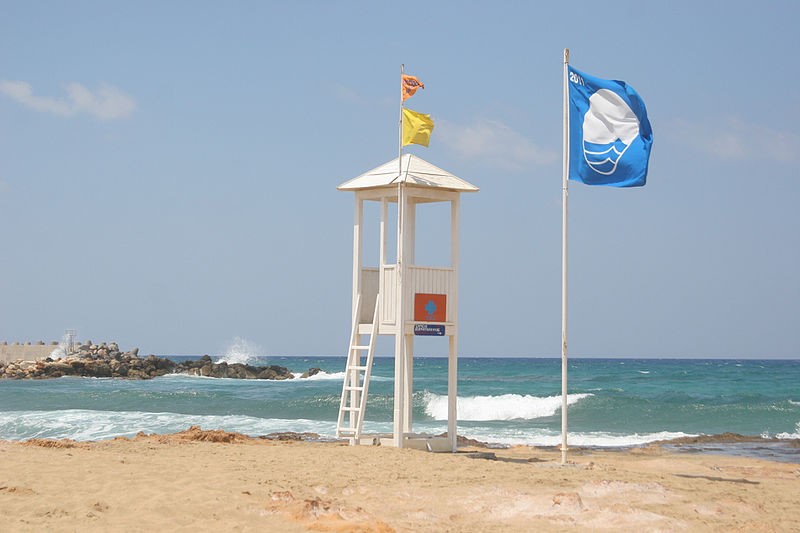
(356,381)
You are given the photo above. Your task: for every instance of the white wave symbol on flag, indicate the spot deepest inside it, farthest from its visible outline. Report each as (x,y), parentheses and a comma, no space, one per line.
(609,128)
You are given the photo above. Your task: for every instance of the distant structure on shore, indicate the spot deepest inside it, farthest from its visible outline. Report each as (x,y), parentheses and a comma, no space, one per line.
(27,351)
(30,351)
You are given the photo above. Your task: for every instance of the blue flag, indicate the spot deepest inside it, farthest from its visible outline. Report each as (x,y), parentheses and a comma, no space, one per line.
(609,134)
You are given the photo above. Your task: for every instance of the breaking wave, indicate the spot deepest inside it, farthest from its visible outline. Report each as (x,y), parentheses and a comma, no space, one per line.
(503,407)
(241,351)
(86,425)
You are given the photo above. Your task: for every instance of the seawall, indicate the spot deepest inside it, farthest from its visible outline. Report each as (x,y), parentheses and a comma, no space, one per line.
(26,352)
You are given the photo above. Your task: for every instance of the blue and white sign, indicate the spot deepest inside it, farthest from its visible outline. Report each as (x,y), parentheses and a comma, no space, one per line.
(610,135)
(435,330)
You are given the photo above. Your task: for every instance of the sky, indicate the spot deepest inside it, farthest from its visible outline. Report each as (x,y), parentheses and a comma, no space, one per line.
(168,172)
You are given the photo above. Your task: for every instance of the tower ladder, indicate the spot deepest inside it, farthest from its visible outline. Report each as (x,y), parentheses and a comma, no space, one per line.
(356,385)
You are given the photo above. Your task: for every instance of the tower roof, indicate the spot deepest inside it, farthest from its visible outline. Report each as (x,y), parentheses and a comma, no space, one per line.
(413,171)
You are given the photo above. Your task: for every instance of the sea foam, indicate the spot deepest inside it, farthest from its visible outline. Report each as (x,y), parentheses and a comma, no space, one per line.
(241,351)
(790,436)
(543,437)
(320,376)
(503,407)
(86,425)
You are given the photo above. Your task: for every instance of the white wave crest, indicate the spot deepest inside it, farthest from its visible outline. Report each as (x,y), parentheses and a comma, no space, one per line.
(85,425)
(320,376)
(241,351)
(542,437)
(790,436)
(503,407)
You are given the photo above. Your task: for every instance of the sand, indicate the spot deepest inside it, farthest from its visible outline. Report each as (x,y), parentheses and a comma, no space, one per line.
(215,481)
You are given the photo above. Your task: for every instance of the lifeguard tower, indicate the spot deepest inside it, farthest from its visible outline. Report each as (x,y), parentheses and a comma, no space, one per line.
(402,299)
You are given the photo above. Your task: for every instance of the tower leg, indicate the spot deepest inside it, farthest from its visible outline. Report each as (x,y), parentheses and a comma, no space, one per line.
(452,393)
(399,388)
(408,414)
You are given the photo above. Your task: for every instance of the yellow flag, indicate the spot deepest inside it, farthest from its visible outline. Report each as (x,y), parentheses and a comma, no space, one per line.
(417,128)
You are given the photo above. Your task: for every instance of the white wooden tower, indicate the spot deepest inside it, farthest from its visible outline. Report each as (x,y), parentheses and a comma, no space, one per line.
(403,298)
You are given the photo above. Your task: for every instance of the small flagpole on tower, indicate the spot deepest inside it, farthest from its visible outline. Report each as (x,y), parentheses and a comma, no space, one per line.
(564,196)
(400,122)
(399,346)
(400,165)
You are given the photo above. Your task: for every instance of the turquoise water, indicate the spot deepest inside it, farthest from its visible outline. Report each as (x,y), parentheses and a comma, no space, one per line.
(613,402)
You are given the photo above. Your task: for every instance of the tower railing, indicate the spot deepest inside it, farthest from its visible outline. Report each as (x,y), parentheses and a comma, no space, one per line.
(421,279)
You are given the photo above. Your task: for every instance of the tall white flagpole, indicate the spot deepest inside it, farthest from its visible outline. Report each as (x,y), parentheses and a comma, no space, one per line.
(399,345)
(564,195)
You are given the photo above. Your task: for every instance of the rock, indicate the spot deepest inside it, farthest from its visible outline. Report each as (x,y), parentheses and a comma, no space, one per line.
(58,369)
(275,372)
(291,436)
(266,374)
(99,369)
(136,373)
(311,372)
(105,360)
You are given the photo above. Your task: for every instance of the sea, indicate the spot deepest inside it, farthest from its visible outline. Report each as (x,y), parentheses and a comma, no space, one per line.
(502,401)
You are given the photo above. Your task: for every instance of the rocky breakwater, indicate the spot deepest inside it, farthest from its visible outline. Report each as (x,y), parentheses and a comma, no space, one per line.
(91,360)
(107,361)
(207,368)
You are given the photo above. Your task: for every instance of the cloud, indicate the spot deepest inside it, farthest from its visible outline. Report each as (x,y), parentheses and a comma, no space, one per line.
(494,142)
(732,138)
(106,103)
(346,94)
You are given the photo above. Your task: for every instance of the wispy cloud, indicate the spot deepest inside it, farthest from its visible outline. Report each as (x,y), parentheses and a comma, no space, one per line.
(346,94)
(732,138)
(494,142)
(106,103)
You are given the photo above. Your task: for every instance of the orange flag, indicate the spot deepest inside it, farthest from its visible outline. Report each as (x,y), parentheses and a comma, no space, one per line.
(410,84)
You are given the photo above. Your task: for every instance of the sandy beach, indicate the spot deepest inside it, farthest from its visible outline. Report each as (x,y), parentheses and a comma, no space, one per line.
(215,481)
